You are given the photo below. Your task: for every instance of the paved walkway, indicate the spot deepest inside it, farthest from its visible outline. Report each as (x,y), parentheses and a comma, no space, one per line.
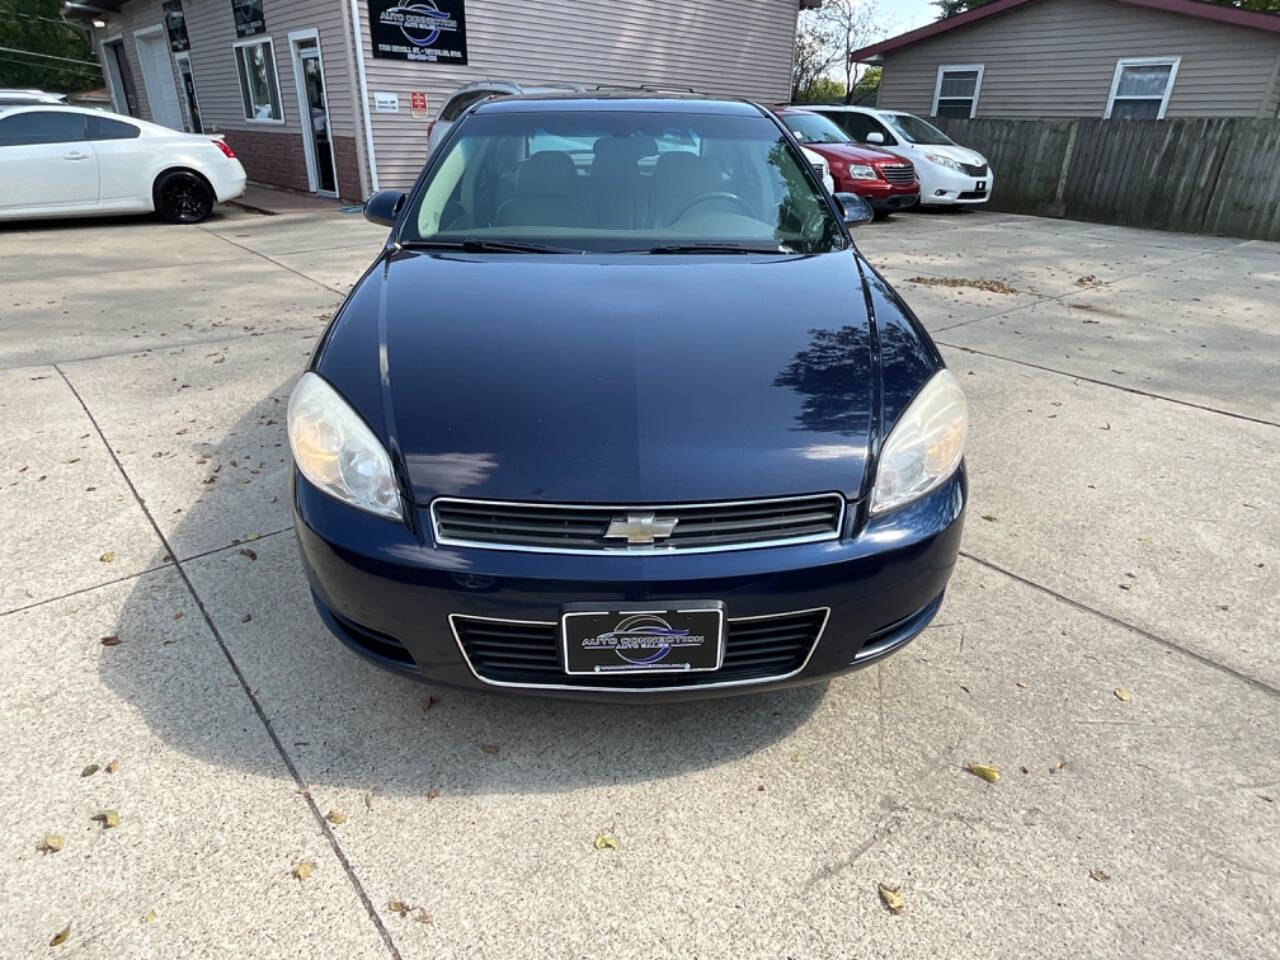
(1108,643)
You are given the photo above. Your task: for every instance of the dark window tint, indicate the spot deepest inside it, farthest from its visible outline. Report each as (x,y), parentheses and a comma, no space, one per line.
(41,126)
(453,109)
(104,128)
(858,125)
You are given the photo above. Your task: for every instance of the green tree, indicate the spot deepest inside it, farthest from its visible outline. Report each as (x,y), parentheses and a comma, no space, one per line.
(949,8)
(65,62)
(822,90)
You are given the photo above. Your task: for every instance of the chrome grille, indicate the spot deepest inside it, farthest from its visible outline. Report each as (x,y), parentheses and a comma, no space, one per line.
(527,653)
(974,169)
(898,172)
(562,528)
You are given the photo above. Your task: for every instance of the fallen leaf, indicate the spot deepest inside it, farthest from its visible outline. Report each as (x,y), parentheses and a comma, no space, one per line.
(108,819)
(90,770)
(246,618)
(606,841)
(422,916)
(246,552)
(336,817)
(303,869)
(991,286)
(398,907)
(990,517)
(111,641)
(108,557)
(52,843)
(891,897)
(433,793)
(1122,694)
(489,748)
(429,703)
(179,615)
(1099,875)
(113,766)
(985,771)
(60,937)
(150,917)
(368,800)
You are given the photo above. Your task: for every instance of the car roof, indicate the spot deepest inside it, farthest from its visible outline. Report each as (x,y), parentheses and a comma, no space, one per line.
(642,101)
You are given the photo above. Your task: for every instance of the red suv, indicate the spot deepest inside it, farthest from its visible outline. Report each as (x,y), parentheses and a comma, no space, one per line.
(886,181)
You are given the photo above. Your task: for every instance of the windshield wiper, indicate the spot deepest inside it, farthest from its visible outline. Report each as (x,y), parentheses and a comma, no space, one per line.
(481,245)
(712,248)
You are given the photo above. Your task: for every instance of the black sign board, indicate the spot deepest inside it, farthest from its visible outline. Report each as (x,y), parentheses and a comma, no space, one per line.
(249,19)
(176,24)
(431,31)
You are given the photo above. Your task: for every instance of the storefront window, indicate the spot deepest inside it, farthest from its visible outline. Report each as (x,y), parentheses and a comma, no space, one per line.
(259,84)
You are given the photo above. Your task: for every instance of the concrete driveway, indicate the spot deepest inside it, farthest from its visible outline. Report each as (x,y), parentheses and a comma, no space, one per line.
(1109,643)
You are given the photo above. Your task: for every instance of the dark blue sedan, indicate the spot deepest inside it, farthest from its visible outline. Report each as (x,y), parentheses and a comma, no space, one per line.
(620,412)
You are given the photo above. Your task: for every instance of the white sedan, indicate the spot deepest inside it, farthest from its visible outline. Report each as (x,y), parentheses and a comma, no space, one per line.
(58,161)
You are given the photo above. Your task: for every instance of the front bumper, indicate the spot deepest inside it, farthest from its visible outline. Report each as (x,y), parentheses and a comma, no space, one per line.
(389,592)
(943,186)
(881,195)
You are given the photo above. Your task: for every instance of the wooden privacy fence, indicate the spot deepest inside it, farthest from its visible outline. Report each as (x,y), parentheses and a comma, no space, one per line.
(1219,175)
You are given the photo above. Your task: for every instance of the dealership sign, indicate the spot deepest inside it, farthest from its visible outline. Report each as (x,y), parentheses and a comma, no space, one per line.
(248,17)
(431,31)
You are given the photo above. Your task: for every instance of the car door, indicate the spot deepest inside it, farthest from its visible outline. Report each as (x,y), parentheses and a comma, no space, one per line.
(46,162)
(124,167)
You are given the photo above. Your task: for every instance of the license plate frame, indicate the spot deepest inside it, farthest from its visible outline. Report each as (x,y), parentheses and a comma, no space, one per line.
(628,639)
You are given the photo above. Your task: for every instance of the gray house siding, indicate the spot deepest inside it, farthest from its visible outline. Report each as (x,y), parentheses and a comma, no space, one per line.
(732,47)
(741,48)
(271,152)
(1056,58)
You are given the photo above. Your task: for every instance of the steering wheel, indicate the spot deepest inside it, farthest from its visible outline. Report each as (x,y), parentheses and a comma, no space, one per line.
(711,198)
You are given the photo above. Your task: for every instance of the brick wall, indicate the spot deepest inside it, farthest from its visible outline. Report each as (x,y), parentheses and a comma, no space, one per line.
(344,157)
(271,157)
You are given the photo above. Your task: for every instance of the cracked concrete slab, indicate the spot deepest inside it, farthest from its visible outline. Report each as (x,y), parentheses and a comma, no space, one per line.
(162,307)
(56,471)
(1161,515)
(201,432)
(200,861)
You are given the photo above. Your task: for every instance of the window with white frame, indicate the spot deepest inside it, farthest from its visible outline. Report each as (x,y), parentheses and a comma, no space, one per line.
(956,92)
(1140,88)
(259,82)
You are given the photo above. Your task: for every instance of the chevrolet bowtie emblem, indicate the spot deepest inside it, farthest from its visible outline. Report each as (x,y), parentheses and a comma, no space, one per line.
(641,528)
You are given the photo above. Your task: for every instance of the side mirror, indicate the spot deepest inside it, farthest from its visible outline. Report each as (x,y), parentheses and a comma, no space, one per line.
(875,136)
(383,206)
(856,210)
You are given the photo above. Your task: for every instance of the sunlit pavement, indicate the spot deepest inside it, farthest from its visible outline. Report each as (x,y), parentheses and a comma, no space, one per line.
(1108,643)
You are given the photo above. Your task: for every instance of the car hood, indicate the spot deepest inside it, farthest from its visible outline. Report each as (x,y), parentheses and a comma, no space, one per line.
(954,151)
(849,153)
(642,379)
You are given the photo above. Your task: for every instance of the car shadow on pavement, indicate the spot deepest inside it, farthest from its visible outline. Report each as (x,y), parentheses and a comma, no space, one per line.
(346,723)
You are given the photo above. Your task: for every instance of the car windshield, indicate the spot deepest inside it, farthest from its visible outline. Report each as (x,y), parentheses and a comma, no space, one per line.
(914,130)
(570,180)
(812,128)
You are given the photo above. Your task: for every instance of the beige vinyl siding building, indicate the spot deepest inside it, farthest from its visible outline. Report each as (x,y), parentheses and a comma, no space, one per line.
(1061,58)
(741,48)
(714,46)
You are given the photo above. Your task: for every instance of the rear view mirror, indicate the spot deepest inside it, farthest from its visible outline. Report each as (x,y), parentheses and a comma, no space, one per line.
(383,206)
(856,211)
(875,136)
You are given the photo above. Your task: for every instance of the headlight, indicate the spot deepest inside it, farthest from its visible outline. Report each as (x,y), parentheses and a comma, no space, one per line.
(336,451)
(862,171)
(925,446)
(944,161)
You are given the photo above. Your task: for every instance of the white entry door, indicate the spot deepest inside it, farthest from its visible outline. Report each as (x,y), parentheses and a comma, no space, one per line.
(157,77)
